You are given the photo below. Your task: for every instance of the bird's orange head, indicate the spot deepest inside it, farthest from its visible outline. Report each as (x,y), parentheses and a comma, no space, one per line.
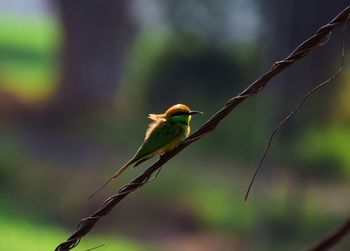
(179,113)
(175,113)
(178,109)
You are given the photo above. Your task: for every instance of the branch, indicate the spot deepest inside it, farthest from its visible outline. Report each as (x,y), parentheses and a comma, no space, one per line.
(332,238)
(318,39)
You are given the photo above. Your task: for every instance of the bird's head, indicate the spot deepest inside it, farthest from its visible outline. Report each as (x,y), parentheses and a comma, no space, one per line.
(179,113)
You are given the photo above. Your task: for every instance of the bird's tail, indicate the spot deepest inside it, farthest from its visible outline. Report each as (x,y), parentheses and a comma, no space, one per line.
(117,174)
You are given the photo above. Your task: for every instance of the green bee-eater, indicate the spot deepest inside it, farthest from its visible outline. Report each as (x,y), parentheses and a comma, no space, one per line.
(164,133)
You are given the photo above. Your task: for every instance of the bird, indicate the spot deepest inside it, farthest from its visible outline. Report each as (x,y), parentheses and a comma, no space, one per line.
(165,132)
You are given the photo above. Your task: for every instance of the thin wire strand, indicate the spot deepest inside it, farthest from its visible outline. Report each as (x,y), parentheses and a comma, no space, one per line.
(95,247)
(295,110)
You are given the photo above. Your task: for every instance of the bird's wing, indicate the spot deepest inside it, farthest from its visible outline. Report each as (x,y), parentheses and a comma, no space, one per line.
(161,135)
(156,120)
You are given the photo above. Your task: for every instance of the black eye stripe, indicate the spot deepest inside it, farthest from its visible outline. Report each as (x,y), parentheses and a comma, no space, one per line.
(179,113)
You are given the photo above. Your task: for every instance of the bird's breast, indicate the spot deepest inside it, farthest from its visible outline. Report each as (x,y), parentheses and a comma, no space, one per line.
(175,142)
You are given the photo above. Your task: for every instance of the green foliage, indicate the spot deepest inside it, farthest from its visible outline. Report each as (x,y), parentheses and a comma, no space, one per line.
(28,54)
(220,208)
(21,234)
(327,148)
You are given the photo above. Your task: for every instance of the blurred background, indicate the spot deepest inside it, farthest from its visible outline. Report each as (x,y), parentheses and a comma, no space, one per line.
(78,79)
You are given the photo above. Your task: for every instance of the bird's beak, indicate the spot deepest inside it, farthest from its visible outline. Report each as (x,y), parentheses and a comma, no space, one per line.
(195,112)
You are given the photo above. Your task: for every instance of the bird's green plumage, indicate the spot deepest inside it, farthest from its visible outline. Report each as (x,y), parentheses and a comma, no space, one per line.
(165,132)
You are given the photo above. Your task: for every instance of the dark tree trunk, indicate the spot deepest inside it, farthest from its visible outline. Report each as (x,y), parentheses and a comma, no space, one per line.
(96,34)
